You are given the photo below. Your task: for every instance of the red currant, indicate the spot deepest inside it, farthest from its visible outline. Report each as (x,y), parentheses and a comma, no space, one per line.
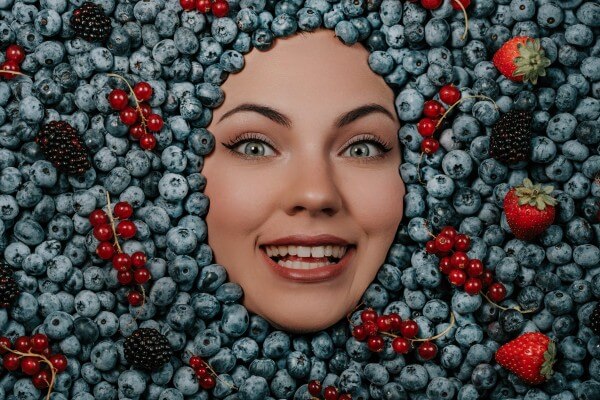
(201,371)
(41,380)
(9,65)
(430,247)
(5,344)
(142,91)
(427,350)
(98,217)
(395,320)
(123,210)
(105,250)
(118,99)
(450,94)
(360,333)
(443,243)
(138,259)
(39,342)
(433,109)
(368,315)
(220,8)
(457,277)
(207,382)
(23,344)
(475,268)
(15,53)
(136,131)
(59,362)
(431,4)
(126,229)
(145,109)
(497,292)
(401,345)
(464,3)
(135,298)
(128,116)
(11,362)
(125,277)
(383,323)
(345,396)
(371,328)
(147,141)
(121,261)
(30,365)
(459,259)
(473,286)
(426,127)
(203,6)
(331,393)
(103,232)
(187,5)
(409,329)
(196,362)
(462,242)
(375,343)
(449,231)
(154,122)
(445,266)
(314,388)
(141,276)
(429,145)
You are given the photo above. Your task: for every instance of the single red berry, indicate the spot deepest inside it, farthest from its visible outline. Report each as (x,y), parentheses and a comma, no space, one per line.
(126,229)
(128,116)
(39,342)
(154,122)
(430,247)
(187,5)
(135,298)
(145,109)
(433,109)
(450,94)
(395,320)
(137,131)
(331,393)
(473,286)
(203,6)
(464,3)
(449,231)
(314,388)
(142,91)
(141,276)
(23,344)
(383,323)
(401,345)
(375,343)
(431,4)
(475,268)
(125,277)
(368,315)
(220,8)
(42,379)
(430,145)
(345,396)
(123,210)
(103,232)
(459,259)
(15,53)
(98,217)
(457,277)
(196,362)
(462,242)
(118,99)
(11,361)
(445,266)
(360,333)
(147,141)
(59,362)
(427,350)
(426,127)
(5,344)
(497,292)
(409,329)
(138,259)
(9,65)
(371,328)
(30,365)
(201,371)
(105,250)
(207,382)
(121,261)
(487,278)
(443,243)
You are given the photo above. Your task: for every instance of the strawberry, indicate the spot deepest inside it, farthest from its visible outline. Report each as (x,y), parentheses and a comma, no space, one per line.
(521,59)
(529,209)
(530,357)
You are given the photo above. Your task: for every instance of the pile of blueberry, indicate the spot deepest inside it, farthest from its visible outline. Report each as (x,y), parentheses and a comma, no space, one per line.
(60,68)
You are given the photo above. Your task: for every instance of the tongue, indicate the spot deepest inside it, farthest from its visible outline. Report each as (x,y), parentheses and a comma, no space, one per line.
(304,259)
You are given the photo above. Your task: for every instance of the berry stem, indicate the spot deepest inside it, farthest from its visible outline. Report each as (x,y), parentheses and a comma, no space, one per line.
(112,222)
(464,36)
(4,71)
(137,103)
(353,311)
(516,308)
(475,96)
(44,360)
(441,334)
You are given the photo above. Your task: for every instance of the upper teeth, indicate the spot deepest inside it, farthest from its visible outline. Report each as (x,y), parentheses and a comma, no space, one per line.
(305,251)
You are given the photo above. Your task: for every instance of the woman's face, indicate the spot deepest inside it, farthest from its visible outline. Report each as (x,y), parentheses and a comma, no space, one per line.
(298,163)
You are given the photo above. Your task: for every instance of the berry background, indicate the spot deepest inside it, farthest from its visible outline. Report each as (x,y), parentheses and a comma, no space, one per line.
(152,158)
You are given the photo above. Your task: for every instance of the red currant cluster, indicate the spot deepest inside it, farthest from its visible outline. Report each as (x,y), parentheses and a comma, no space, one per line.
(315,389)
(30,354)
(219,8)
(435,4)
(140,118)
(205,374)
(131,268)
(461,270)
(12,66)
(374,326)
(434,112)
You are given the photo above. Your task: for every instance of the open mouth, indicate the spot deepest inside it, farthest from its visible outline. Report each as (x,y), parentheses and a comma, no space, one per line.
(306,257)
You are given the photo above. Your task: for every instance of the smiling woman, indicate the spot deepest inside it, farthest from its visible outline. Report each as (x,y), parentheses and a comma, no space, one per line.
(305,192)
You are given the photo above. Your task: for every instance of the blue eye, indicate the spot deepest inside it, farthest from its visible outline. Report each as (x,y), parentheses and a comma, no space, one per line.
(363,149)
(253,148)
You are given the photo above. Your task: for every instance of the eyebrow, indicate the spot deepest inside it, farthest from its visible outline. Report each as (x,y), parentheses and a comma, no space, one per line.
(282,119)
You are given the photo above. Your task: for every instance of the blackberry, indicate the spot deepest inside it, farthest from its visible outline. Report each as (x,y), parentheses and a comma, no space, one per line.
(9,290)
(90,23)
(511,137)
(61,146)
(594,323)
(147,348)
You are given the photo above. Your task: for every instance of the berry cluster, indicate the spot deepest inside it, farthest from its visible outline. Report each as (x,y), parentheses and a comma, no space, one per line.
(315,388)
(206,376)
(12,66)
(147,348)
(131,268)
(9,290)
(461,270)
(219,8)
(140,119)
(435,4)
(62,146)
(434,113)
(90,23)
(30,354)
(374,326)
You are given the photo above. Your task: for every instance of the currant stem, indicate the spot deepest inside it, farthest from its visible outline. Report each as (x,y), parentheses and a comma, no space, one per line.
(441,334)
(44,360)
(13,72)
(112,222)
(352,312)
(517,308)
(475,96)
(137,103)
(464,36)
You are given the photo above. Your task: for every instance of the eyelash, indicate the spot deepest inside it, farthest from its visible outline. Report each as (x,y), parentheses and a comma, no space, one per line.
(384,146)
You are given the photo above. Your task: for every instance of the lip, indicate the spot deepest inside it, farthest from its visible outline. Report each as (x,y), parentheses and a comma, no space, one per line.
(305,240)
(311,275)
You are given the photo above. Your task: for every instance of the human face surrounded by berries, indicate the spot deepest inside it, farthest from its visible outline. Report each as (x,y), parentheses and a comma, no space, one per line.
(304,184)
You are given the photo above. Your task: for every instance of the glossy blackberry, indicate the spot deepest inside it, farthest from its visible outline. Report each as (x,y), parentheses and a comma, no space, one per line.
(594,323)
(90,23)
(147,348)
(511,137)
(9,290)
(62,147)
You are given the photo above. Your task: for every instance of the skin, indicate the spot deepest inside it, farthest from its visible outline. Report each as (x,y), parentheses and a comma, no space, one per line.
(303,179)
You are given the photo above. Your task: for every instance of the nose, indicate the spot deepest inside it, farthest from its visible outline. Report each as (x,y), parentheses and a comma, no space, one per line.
(311,187)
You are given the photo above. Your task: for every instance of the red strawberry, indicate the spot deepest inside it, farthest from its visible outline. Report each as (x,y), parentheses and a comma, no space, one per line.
(521,59)
(529,209)
(530,357)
